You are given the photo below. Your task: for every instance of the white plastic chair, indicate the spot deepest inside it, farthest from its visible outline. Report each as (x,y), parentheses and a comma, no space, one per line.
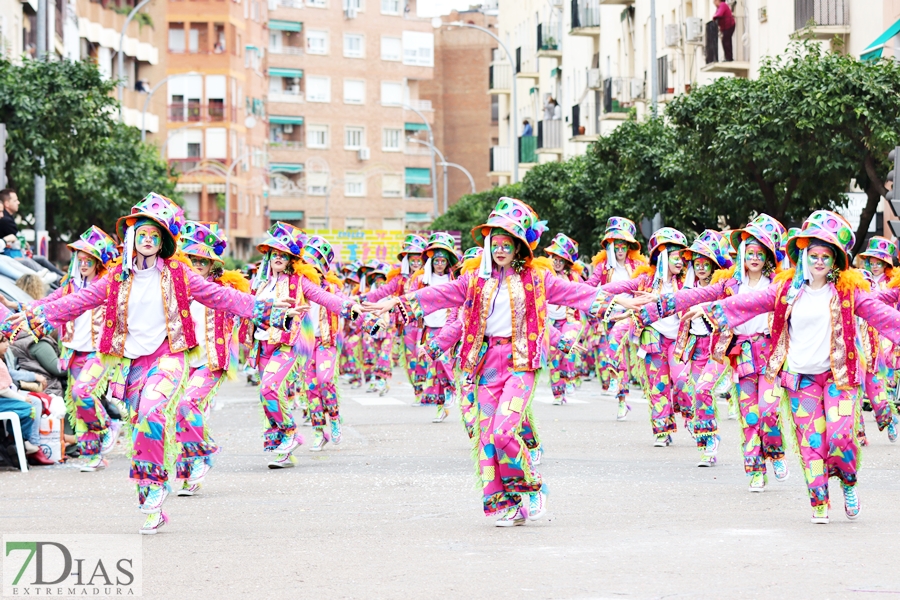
(17,434)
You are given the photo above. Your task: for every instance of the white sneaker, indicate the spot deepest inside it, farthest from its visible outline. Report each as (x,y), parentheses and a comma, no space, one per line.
(188,489)
(94,463)
(758,482)
(371,387)
(383,387)
(288,445)
(781,469)
(624,409)
(282,461)
(662,440)
(512,517)
(570,389)
(536,455)
(707,460)
(108,441)
(613,388)
(155,498)
(153,522)
(820,515)
(442,415)
(199,468)
(319,441)
(336,432)
(537,505)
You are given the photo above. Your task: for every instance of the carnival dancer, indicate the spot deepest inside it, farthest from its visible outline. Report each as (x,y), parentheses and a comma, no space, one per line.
(321,391)
(378,338)
(617,261)
(563,252)
(351,352)
(95,432)
(204,243)
(147,332)
(504,344)
(815,336)
(281,352)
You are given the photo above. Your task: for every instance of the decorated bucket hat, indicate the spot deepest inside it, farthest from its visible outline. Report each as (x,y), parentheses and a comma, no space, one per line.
(203,239)
(283,237)
(441,240)
(712,245)
(826,226)
(161,211)
(97,243)
(620,228)
(563,247)
(473,252)
(517,219)
(412,244)
(882,249)
(318,252)
(666,237)
(377,267)
(767,231)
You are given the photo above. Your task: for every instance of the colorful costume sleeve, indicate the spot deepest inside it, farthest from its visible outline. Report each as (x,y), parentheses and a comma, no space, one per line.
(889,296)
(54,295)
(581,296)
(885,319)
(67,308)
(670,304)
(224,298)
(336,303)
(596,276)
(432,298)
(735,310)
(445,339)
(625,287)
(388,289)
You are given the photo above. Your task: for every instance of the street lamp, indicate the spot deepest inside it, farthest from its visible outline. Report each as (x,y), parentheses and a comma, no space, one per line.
(446,164)
(433,167)
(121,56)
(437,24)
(150,95)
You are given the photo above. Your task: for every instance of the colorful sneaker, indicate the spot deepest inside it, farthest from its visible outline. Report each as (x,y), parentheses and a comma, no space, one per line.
(383,387)
(624,409)
(689,426)
(536,456)
(336,433)
(449,398)
(355,385)
(94,463)
(707,460)
(820,514)
(188,489)
(851,501)
(108,441)
(559,401)
(319,441)
(199,468)
(155,498)
(662,440)
(153,522)
(288,444)
(537,505)
(712,445)
(512,517)
(570,389)
(892,430)
(758,482)
(781,469)
(614,388)
(442,414)
(371,387)
(282,461)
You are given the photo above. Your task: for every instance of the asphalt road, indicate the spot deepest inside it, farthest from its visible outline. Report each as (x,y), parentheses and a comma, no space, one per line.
(393,512)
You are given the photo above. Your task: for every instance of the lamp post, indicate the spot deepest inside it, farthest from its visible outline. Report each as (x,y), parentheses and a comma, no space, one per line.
(433,167)
(434,149)
(150,95)
(121,56)
(437,24)
(654,65)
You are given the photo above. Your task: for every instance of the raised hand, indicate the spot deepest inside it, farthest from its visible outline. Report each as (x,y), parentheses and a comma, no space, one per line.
(635,303)
(694,312)
(380,308)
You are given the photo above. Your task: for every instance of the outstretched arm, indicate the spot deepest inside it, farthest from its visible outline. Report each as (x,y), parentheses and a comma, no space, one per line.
(733,311)
(884,318)
(670,304)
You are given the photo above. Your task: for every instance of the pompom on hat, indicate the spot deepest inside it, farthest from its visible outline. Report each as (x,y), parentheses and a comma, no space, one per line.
(203,239)
(564,247)
(515,218)
(161,211)
(767,231)
(882,249)
(283,237)
(666,237)
(318,252)
(712,245)
(826,226)
(97,243)
(620,228)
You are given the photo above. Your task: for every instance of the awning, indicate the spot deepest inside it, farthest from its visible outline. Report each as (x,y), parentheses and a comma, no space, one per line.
(874,51)
(555,72)
(285,120)
(418,176)
(415,127)
(417,217)
(286,167)
(285,25)
(285,215)
(282,72)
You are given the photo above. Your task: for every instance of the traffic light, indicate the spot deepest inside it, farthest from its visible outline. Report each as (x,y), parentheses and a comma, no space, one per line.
(894,157)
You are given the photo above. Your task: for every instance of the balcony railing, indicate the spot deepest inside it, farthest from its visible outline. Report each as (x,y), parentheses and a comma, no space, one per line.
(527,149)
(287,96)
(197,112)
(500,76)
(550,134)
(289,50)
(548,36)
(715,51)
(585,13)
(821,13)
(585,120)
(619,94)
(285,145)
(501,160)
(525,60)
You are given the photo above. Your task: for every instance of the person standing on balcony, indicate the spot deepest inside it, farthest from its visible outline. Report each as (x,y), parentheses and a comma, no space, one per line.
(725,20)
(527,130)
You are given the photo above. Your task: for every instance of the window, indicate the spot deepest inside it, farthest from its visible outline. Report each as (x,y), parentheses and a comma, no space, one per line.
(418,48)
(318,89)
(391,185)
(354,138)
(197,38)
(354,223)
(390,7)
(216,142)
(357,4)
(418,182)
(354,45)
(316,223)
(390,141)
(391,48)
(176,37)
(317,183)
(317,3)
(354,185)
(317,136)
(354,91)
(317,42)
(391,93)
(392,224)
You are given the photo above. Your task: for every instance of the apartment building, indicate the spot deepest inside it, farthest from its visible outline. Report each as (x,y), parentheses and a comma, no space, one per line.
(216,126)
(346,117)
(467,118)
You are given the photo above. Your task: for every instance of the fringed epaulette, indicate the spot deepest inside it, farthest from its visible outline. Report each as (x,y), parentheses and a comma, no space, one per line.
(644,270)
(786,275)
(636,256)
(307,270)
(852,280)
(392,273)
(723,275)
(540,263)
(598,259)
(333,279)
(470,265)
(235,280)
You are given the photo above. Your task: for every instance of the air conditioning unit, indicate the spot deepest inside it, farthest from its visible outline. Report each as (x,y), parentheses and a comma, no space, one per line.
(637,88)
(595,79)
(351,13)
(288,128)
(694,30)
(365,154)
(673,35)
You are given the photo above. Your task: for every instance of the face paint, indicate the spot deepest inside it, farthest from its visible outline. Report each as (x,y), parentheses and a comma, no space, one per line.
(415,261)
(502,244)
(440,264)
(820,256)
(86,262)
(754,254)
(148,236)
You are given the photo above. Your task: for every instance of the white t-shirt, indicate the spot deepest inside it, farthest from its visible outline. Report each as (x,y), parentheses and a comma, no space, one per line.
(439,317)
(556,312)
(499,321)
(82,341)
(667,327)
(198,315)
(759,323)
(620,273)
(146,316)
(809,348)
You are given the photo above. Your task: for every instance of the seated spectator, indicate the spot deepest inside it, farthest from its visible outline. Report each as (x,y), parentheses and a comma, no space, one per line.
(27,407)
(42,360)
(22,378)
(32,285)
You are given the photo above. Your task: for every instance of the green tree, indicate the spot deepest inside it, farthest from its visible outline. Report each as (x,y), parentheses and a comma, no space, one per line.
(96,168)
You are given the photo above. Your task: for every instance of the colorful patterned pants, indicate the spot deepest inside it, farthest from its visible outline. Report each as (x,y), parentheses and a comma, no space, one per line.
(153,388)
(279,369)
(613,359)
(704,375)
(666,382)
(369,356)
(438,373)
(192,429)
(321,392)
(562,366)
(382,348)
(874,385)
(824,420)
(411,353)
(503,397)
(352,351)
(87,386)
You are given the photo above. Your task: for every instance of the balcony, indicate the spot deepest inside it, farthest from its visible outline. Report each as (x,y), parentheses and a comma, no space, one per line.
(619,96)
(548,37)
(285,4)
(550,137)
(823,19)
(585,17)
(526,65)
(716,59)
(527,147)
(289,145)
(501,161)
(585,122)
(287,50)
(500,78)
(212,112)
(287,96)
